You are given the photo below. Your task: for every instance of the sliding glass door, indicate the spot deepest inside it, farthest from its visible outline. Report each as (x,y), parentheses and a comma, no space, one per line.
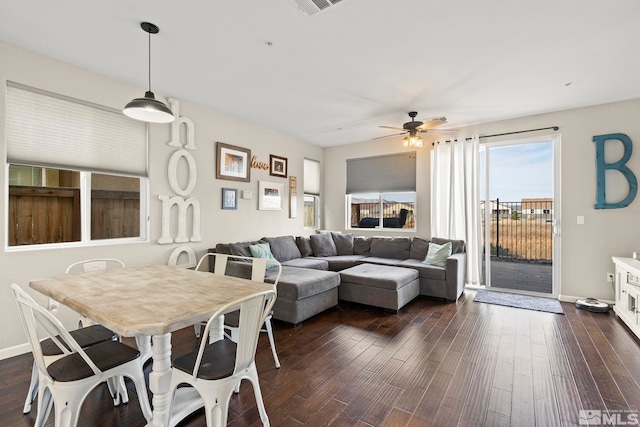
(520,211)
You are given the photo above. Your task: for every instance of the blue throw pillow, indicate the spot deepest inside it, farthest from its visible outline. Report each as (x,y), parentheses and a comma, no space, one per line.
(438,254)
(262,250)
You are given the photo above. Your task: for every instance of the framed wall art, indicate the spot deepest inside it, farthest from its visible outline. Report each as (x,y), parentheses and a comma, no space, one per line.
(229,198)
(233,163)
(270,196)
(293,197)
(277,166)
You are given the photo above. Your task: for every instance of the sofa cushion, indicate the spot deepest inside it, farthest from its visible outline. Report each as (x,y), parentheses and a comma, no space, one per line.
(438,254)
(309,262)
(426,271)
(419,248)
(322,245)
(262,250)
(298,283)
(223,248)
(340,262)
(304,246)
(381,261)
(343,242)
(390,247)
(283,248)
(361,245)
(457,246)
(242,248)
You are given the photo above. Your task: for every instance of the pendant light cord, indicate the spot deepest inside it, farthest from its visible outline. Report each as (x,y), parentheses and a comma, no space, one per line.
(149,62)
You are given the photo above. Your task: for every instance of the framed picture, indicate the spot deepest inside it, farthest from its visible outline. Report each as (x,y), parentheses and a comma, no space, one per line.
(233,163)
(270,196)
(277,166)
(229,198)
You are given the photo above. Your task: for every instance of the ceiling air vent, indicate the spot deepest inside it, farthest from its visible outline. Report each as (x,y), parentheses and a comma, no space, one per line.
(314,6)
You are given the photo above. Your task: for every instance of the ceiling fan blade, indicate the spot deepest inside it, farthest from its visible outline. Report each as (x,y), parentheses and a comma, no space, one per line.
(441,131)
(388,136)
(432,123)
(391,127)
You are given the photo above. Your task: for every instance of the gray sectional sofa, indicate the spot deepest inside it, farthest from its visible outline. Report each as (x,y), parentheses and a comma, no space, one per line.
(310,282)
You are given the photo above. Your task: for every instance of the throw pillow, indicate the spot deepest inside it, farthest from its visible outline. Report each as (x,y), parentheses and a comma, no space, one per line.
(419,248)
(438,254)
(283,248)
(241,248)
(457,246)
(343,242)
(322,245)
(262,250)
(304,245)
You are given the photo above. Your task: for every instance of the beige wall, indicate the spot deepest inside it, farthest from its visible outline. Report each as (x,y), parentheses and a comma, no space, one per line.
(247,222)
(586,250)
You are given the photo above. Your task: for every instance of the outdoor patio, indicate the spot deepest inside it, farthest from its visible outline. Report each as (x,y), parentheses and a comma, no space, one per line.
(523,276)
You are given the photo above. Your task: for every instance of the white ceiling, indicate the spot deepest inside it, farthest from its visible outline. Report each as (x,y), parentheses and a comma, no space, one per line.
(333,77)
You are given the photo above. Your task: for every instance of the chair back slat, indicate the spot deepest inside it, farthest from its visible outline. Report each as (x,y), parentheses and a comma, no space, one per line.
(253,313)
(258,265)
(34,315)
(94,265)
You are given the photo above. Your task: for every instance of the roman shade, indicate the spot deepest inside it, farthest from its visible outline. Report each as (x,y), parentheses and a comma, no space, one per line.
(311,177)
(382,174)
(46,129)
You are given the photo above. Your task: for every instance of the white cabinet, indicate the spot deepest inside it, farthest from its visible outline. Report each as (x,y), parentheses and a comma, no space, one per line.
(627,302)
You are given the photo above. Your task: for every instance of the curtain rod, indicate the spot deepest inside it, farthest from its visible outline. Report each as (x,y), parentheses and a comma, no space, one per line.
(508,133)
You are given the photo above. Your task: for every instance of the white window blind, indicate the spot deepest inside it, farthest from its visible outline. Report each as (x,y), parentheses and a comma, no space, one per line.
(45,129)
(311,177)
(388,173)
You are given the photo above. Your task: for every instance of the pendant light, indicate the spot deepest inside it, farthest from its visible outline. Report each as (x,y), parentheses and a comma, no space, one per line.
(149,109)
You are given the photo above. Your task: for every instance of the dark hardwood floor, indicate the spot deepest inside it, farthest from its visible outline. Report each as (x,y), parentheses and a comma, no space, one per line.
(465,364)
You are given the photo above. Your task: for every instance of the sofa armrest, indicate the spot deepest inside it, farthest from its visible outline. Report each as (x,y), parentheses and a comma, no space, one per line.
(456,272)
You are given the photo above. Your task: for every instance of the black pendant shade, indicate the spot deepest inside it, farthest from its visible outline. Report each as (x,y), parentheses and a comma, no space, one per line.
(149,109)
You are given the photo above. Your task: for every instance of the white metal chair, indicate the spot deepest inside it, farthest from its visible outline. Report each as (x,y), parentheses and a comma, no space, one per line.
(65,383)
(86,335)
(258,273)
(215,369)
(92,265)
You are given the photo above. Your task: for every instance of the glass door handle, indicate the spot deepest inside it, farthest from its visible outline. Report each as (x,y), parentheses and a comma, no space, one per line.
(554,227)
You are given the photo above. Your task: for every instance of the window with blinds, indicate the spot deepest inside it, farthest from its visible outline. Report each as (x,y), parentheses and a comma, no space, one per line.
(77,171)
(381,192)
(311,193)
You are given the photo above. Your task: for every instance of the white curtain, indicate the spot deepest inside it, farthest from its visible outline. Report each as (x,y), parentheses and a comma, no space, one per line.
(455,198)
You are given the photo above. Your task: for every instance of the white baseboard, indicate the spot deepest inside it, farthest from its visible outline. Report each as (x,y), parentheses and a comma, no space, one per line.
(17,350)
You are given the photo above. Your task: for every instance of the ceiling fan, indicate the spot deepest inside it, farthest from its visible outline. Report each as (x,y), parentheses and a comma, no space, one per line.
(414,127)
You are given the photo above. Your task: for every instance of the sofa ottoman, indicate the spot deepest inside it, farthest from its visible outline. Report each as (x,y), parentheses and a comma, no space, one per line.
(304,292)
(379,285)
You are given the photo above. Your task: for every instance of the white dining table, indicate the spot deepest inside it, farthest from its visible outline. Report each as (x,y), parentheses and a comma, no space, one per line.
(154,301)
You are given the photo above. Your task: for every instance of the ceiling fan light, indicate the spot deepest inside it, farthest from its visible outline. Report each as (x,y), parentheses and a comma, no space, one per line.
(413,141)
(148,109)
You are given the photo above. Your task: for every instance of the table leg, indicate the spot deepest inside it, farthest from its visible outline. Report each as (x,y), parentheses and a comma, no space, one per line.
(216,332)
(160,379)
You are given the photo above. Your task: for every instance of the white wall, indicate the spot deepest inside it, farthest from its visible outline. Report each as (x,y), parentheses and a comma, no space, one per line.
(247,222)
(586,249)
